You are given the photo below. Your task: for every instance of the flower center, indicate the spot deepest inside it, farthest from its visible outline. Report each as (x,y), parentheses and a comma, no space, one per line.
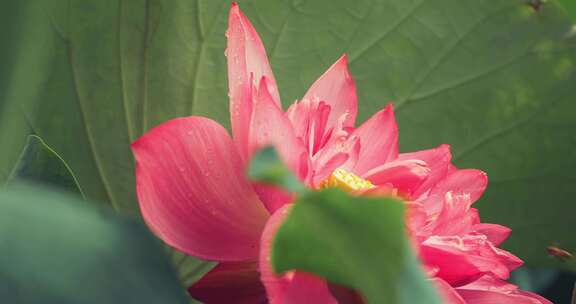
(345,181)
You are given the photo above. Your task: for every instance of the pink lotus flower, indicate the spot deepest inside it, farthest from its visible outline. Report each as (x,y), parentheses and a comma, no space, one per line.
(194,193)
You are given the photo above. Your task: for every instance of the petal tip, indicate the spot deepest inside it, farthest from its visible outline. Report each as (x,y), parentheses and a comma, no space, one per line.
(389,107)
(483,176)
(446,152)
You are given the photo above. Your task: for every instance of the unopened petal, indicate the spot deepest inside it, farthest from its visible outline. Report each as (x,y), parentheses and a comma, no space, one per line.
(270,127)
(337,88)
(247,64)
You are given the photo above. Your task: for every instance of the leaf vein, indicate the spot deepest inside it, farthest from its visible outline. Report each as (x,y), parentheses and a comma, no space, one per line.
(444,56)
(371,44)
(490,137)
(97,160)
(124,95)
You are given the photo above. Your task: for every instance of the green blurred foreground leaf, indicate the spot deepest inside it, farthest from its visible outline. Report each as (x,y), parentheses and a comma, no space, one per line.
(359,242)
(55,250)
(266,167)
(40,164)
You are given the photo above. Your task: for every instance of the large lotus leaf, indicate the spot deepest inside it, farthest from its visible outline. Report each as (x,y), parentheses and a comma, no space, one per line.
(493,78)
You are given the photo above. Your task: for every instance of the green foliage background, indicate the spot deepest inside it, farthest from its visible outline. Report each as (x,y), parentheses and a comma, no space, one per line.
(493,78)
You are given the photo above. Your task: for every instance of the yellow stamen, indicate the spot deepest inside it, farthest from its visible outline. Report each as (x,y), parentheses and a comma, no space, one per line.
(345,181)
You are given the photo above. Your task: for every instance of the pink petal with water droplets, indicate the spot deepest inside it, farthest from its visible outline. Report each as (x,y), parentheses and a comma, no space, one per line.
(247,63)
(378,141)
(193,192)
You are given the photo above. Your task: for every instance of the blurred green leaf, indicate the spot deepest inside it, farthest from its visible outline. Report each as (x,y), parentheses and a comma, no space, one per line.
(266,167)
(570,7)
(359,242)
(55,250)
(39,163)
(493,78)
